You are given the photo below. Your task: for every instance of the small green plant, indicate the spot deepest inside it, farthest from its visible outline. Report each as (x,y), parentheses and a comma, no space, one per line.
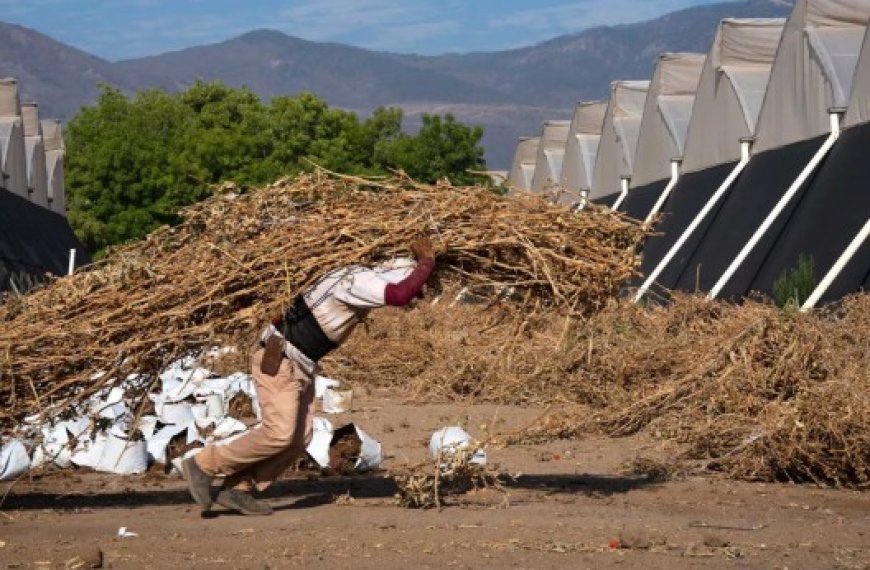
(794,286)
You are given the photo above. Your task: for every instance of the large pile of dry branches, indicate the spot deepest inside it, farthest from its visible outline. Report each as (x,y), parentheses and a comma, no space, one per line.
(240,257)
(752,390)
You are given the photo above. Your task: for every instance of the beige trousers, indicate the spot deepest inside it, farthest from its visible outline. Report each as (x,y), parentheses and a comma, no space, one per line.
(262,454)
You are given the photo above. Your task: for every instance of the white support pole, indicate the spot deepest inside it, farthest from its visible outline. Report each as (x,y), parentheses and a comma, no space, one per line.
(780,206)
(72,262)
(584,199)
(834,272)
(675,177)
(624,180)
(745,145)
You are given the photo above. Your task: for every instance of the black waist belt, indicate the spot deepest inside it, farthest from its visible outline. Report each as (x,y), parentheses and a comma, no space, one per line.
(301,329)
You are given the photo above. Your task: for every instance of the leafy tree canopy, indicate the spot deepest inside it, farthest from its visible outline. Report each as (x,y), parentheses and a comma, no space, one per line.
(131,163)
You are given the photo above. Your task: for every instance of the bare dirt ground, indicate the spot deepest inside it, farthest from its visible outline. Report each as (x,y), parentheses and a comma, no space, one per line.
(570,505)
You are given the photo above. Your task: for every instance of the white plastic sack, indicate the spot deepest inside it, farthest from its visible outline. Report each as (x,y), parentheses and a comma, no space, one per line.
(122,456)
(321,383)
(318,448)
(14,460)
(452,440)
(335,402)
(371,455)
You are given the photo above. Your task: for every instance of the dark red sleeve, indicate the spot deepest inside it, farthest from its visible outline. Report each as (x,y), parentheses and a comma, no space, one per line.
(400,294)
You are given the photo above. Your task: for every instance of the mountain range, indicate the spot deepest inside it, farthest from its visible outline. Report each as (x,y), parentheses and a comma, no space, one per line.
(510,93)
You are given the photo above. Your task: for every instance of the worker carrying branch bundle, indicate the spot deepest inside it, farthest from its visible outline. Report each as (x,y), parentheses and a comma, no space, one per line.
(283,367)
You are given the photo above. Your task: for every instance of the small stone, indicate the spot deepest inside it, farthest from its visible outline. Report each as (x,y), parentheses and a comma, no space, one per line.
(716,541)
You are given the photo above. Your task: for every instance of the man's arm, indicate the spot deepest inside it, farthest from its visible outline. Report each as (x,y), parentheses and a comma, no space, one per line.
(401,293)
(367,289)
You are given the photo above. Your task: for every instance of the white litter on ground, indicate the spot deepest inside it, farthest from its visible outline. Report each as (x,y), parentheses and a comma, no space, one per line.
(452,440)
(191,409)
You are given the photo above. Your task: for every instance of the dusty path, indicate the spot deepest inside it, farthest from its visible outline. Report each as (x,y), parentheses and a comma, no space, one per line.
(567,506)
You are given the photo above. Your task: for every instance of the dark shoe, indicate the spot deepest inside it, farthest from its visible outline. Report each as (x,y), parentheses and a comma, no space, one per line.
(198,482)
(242,502)
(273,352)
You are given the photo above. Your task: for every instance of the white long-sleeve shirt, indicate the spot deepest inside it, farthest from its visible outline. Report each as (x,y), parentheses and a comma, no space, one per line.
(342,298)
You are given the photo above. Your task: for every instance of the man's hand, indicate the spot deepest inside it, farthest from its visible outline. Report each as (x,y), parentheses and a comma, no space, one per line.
(422,248)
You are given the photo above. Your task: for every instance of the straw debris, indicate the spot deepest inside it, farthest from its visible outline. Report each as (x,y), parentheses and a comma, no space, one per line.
(240,257)
(751,390)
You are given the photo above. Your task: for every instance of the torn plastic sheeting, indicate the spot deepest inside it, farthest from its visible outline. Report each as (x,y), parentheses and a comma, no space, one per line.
(88,451)
(156,445)
(321,437)
(181,379)
(176,463)
(370,454)
(218,351)
(54,447)
(454,439)
(215,407)
(199,411)
(108,409)
(178,413)
(147,425)
(227,427)
(221,427)
(321,383)
(14,460)
(213,386)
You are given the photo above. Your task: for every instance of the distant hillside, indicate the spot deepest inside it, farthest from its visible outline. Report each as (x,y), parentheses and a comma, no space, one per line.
(559,72)
(508,92)
(273,63)
(59,77)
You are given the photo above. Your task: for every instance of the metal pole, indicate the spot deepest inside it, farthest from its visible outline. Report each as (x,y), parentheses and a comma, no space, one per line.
(623,180)
(745,145)
(835,115)
(72,262)
(834,272)
(675,177)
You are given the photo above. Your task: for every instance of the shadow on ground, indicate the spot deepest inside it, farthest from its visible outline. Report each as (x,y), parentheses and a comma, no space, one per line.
(314,492)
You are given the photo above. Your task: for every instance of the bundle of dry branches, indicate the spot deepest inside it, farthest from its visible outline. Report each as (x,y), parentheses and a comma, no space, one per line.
(428,484)
(239,257)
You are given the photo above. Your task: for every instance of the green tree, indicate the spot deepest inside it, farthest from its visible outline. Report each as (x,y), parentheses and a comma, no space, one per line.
(133,162)
(444,148)
(122,166)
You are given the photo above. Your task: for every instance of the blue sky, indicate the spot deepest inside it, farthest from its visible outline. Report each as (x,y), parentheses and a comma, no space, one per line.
(122,29)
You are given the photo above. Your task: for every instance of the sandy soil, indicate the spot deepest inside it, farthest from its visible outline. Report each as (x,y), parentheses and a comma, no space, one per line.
(569,506)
